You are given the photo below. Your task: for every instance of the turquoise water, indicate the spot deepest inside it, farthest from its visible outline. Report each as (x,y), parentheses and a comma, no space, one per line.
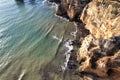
(28,49)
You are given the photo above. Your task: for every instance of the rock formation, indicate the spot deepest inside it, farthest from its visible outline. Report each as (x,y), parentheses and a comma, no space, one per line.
(99,53)
(56,1)
(70,8)
(98,25)
(20,0)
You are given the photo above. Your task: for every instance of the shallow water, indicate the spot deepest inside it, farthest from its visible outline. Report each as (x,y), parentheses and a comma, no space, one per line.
(31,41)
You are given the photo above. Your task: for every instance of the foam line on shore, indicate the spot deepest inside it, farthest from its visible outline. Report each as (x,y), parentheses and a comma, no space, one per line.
(62,18)
(69,46)
(21,75)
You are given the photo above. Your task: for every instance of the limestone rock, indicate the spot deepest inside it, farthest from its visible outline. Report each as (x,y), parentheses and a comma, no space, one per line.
(99,35)
(72,8)
(102,18)
(100,57)
(99,53)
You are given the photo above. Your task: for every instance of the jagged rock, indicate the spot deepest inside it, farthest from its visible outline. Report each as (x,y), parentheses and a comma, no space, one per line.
(102,18)
(99,36)
(60,10)
(71,8)
(73,12)
(100,57)
(20,0)
(99,53)
(56,1)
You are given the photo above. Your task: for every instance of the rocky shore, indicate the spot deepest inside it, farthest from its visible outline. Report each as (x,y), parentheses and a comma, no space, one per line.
(97,38)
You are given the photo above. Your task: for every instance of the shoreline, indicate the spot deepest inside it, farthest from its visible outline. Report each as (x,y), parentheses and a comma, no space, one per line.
(72,46)
(97,40)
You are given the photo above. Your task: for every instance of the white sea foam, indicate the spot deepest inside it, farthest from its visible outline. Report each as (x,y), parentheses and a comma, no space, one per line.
(53,4)
(3,64)
(74,33)
(43,2)
(60,40)
(69,47)
(62,18)
(56,38)
(21,75)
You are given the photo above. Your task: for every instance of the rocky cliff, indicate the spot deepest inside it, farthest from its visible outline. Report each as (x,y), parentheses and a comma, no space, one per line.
(98,22)
(99,53)
(70,8)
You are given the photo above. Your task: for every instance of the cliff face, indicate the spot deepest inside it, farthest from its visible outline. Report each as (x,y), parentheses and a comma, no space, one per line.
(99,53)
(102,18)
(99,35)
(71,8)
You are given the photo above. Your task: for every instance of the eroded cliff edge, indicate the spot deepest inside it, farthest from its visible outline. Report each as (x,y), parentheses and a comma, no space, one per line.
(100,50)
(98,21)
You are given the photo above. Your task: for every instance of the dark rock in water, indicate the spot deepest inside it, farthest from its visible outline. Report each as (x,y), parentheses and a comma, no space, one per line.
(20,0)
(71,8)
(32,1)
(72,65)
(60,10)
(56,1)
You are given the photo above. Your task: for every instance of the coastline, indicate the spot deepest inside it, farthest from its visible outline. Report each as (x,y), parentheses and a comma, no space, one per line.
(90,53)
(72,46)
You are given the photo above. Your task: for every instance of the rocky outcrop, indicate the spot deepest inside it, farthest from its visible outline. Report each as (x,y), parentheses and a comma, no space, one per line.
(70,8)
(102,18)
(98,36)
(99,54)
(20,0)
(56,1)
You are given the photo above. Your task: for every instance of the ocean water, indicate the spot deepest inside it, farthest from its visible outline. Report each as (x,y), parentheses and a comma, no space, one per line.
(32,41)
